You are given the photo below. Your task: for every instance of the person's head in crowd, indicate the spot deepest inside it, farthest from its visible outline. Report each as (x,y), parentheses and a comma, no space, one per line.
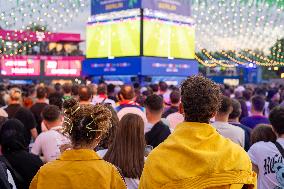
(260,92)
(110,89)
(102,89)
(126,93)
(247,94)
(200,99)
(225,110)
(75,91)
(85,94)
(12,137)
(56,99)
(257,105)
(273,95)
(238,94)
(32,92)
(163,87)
(51,116)
(15,96)
(262,132)
(276,118)
(128,148)
(107,140)
(93,88)
(175,98)
(41,93)
(85,124)
(58,87)
(272,104)
(155,88)
(67,89)
(154,108)
(245,112)
(235,115)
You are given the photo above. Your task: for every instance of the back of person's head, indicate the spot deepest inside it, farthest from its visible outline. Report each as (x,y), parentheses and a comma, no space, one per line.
(75,90)
(201,99)
(263,133)
(237,109)
(56,99)
(258,103)
(163,86)
(85,124)
(175,97)
(244,108)
(58,87)
(85,93)
(12,136)
(247,94)
(41,92)
(110,88)
(127,92)
(155,88)
(276,118)
(67,88)
(102,89)
(15,94)
(154,104)
(107,140)
(226,106)
(51,113)
(127,150)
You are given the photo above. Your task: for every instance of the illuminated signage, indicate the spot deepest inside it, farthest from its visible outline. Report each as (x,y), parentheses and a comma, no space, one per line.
(62,67)
(20,67)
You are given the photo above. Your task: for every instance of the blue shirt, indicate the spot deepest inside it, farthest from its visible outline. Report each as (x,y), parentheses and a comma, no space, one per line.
(252,121)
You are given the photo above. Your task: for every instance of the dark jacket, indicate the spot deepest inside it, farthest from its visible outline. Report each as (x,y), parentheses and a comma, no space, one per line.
(157,134)
(4,183)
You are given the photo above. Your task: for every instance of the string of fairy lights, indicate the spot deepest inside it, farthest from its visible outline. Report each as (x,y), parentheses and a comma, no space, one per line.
(239,32)
(25,15)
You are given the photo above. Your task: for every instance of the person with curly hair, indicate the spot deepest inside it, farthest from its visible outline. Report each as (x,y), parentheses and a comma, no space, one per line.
(195,155)
(80,167)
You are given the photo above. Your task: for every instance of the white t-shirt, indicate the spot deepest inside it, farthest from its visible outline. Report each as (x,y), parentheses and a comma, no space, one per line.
(174,119)
(131,183)
(98,99)
(269,161)
(236,134)
(48,143)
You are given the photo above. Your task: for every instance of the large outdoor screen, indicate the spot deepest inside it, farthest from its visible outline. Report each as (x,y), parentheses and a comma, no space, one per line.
(20,67)
(114,38)
(167,38)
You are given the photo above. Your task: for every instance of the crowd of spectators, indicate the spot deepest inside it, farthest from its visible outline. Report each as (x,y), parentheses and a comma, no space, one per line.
(196,135)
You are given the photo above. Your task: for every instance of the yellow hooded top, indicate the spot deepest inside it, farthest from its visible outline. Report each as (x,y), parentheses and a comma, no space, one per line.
(82,169)
(197,156)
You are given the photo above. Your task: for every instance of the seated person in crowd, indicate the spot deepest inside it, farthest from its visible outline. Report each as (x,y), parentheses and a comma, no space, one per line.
(175,101)
(267,157)
(48,143)
(232,132)
(196,155)
(156,131)
(81,167)
(234,119)
(257,116)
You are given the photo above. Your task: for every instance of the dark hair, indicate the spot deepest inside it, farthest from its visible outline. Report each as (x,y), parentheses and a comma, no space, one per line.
(154,103)
(67,88)
(75,90)
(175,97)
(163,86)
(12,137)
(51,113)
(201,98)
(102,89)
(41,92)
(85,123)
(237,110)
(258,103)
(85,93)
(247,94)
(154,87)
(110,88)
(109,136)
(244,108)
(276,119)
(128,148)
(226,105)
(58,87)
(127,92)
(264,133)
(56,99)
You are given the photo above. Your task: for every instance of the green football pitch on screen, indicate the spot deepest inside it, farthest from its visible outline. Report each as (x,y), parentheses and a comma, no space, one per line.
(114,39)
(168,39)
